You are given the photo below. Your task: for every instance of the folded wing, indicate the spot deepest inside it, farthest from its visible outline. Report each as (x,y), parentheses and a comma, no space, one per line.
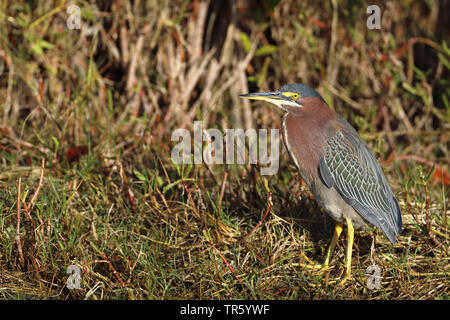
(349,166)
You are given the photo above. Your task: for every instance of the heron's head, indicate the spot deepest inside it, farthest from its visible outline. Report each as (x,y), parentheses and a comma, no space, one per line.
(289,97)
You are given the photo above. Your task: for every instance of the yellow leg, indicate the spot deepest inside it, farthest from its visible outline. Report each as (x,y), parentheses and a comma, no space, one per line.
(350,237)
(334,240)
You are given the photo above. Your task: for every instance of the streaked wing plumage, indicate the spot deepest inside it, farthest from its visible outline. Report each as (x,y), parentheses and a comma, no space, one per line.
(349,166)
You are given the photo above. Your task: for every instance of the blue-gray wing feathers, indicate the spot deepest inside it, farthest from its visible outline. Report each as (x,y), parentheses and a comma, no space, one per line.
(349,166)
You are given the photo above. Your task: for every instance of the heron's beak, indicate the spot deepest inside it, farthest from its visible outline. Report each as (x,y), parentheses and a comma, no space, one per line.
(274,97)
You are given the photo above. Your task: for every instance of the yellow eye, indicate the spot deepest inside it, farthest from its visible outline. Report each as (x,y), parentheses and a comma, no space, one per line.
(295,96)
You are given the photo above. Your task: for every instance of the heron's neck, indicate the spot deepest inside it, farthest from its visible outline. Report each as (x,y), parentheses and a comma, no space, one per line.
(305,135)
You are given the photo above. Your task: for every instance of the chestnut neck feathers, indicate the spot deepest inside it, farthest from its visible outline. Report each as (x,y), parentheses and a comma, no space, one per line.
(311,125)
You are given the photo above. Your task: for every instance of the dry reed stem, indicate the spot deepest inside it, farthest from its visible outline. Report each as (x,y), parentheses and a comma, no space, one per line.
(38,189)
(19,244)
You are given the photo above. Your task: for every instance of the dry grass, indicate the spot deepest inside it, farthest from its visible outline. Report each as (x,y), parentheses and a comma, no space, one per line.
(99,105)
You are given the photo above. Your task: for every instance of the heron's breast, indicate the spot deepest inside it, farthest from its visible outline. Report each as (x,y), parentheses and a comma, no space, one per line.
(305,140)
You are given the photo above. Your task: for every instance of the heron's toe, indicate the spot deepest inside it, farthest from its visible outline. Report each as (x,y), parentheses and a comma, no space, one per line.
(344,280)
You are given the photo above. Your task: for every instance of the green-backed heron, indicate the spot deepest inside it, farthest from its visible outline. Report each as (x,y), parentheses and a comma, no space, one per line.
(336,164)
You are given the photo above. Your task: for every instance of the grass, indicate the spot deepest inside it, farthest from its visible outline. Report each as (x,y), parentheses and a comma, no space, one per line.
(98,106)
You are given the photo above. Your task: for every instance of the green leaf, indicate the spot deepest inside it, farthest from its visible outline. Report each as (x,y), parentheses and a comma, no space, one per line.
(186,169)
(56,143)
(176,166)
(93,245)
(409,88)
(420,172)
(110,102)
(90,73)
(430,174)
(265,50)
(445,100)
(445,48)
(246,43)
(170,186)
(263,74)
(444,60)
(420,73)
(140,176)
(88,14)
(37,49)
(159,181)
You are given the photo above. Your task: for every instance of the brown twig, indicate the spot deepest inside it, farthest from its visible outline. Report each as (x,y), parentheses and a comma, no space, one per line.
(194,207)
(386,123)
(226,262)
(222,189)
(116,274)
(26,144)
(29,207)
(27,212)
(164,200)
(269,206)
(130,193)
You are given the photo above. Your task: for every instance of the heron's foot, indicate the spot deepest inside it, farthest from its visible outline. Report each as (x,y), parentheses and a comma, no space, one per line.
(340,281)
(324,267)
(311,265)
(307,266)
(326,263)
